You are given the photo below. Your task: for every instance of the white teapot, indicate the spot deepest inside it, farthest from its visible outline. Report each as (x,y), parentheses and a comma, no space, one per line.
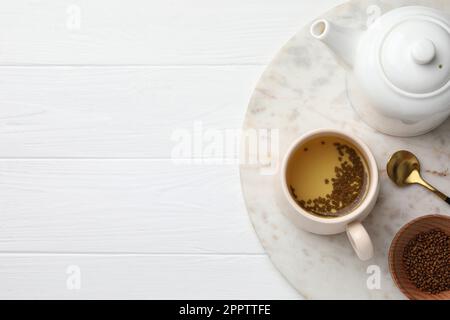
(398,69)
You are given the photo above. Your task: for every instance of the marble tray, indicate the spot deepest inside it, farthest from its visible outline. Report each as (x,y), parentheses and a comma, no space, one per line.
(302,89)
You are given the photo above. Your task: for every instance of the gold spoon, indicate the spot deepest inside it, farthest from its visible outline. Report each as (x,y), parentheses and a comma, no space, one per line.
(404,168)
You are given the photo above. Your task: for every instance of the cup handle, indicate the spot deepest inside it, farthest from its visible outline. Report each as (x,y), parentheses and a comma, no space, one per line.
(360,240)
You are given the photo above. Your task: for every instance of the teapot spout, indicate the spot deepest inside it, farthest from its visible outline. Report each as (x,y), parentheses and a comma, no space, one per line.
(341,40)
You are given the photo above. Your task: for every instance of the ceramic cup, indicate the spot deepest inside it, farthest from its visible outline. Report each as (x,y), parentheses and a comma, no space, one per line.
(349,223)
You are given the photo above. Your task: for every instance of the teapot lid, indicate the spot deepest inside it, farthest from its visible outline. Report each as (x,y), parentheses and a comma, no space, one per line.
(415,56)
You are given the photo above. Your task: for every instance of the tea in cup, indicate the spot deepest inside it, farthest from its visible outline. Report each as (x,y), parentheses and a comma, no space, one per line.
(330,179)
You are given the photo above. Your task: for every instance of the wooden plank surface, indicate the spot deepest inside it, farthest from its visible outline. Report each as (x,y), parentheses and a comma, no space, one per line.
(156,32)
(119,112)
(122,206)
(141,277)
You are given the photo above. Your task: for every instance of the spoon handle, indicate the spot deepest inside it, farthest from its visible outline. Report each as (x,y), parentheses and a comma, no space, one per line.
(419,180)
(442,196)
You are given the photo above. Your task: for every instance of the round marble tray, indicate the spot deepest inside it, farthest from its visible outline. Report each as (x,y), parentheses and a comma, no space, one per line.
(303,89)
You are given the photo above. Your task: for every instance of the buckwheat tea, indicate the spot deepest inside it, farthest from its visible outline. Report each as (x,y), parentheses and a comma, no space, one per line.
(426,259)
(328,176)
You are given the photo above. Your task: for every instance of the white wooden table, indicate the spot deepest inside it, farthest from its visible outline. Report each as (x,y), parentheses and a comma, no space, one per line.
(92,96)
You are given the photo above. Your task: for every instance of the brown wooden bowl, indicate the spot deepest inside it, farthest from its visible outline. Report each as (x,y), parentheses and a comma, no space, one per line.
(401,239)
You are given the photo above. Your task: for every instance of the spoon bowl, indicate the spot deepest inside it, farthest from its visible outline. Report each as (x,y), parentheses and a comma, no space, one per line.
(401,165)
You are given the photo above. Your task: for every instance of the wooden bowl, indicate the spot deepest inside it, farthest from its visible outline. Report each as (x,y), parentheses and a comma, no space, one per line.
(401,239)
